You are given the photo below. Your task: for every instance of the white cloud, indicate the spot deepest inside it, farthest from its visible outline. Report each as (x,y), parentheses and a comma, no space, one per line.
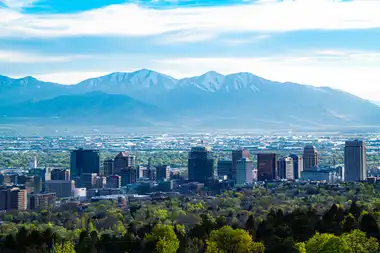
(132,20)
(246,40)
(186,36)
(18,4)
(331,52)
(23,57)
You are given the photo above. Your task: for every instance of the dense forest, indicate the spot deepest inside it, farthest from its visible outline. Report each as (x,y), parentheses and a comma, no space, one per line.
(281,218)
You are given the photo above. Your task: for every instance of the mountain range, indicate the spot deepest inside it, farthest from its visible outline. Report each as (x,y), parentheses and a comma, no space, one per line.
(149,98)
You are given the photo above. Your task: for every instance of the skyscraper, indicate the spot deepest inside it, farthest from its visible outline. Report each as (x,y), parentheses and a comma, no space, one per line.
(114,181)
(128,176)
(297,165)
(60,174)
(310,157)
(340,172)
(355,167)
(236,156)
(224,169)
(151,171)
(13,199)
(266,166)
(200,164)
(42,201)
(123,161)
(62,188)
(163,172)
(100,182)
(285,168)
(88,180)
(84,161)
(244,171)
(108,167)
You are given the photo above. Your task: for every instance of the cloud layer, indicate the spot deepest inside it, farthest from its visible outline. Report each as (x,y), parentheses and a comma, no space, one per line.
(318,42)
(133,20)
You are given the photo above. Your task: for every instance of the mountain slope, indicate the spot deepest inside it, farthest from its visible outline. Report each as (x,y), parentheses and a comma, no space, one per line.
(133,84)
(14,91)
(226,100)
(254,99)
(376,103)
(89,107)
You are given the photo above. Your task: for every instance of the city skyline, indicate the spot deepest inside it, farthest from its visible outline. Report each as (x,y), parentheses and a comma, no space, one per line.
(67,42)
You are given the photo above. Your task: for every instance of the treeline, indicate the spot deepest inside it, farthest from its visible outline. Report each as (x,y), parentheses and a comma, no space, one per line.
(339,230)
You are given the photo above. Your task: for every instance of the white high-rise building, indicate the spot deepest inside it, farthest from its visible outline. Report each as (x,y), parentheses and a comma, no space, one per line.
(285,168)
(244,171)
(355,166)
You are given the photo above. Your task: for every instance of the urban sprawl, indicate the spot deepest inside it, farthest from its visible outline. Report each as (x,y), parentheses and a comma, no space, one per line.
(252,161)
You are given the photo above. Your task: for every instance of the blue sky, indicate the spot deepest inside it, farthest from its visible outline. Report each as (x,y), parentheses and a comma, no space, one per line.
(318,42)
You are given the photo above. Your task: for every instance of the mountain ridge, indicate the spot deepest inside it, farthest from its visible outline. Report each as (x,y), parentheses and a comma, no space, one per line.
(238,98)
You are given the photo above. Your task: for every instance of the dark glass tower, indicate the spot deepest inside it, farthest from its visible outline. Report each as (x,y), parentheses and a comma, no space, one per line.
(108,167)
(310,157)
(200,164)
(84,161)
(266,166)
(123,161)
(355,164)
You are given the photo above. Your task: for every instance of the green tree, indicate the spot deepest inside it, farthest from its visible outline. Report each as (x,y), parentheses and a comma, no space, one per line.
(164,239)
(229,240)
(325,243)
(65,247)
(360,243)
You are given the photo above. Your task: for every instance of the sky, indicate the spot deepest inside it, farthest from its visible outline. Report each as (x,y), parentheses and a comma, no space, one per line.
(332,43)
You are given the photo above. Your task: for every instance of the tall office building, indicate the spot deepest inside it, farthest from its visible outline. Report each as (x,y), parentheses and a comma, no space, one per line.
(108,167)
(60,174)
(266,166)
(13,199)
(297,165)
(355,166)
(114,181)
(27,181)
(163,172)
(310,157)
(224,169)
(285,168)
(151,171)
(45,173)
(38,185)
(18,199)
(200,165)
(340,172)
(244,171)
(62,188)
(236,156)
(84,161)
(5,179)
(88,180)
(100,182)
(42,201)
(123,161)
(128,176)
